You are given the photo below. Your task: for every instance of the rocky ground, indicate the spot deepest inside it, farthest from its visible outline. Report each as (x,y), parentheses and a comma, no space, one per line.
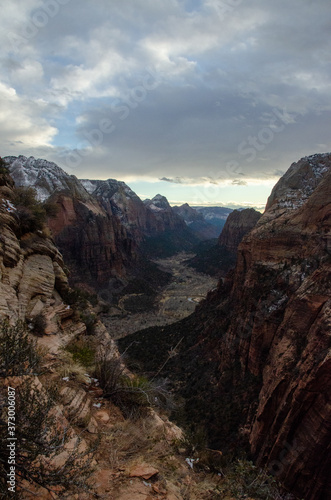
(176,300)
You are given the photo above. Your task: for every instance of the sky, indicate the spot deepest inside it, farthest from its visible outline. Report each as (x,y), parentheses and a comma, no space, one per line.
(204,101)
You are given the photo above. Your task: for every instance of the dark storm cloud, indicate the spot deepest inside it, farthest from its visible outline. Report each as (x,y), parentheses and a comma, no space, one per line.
(197,91)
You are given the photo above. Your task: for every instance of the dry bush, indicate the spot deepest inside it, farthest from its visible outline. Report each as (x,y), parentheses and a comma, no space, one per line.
(70,368)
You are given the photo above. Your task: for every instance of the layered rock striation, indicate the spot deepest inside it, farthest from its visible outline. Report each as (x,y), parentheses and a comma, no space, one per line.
(32,273)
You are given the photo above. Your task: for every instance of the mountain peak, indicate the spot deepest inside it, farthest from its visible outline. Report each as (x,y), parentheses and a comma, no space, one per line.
(44,176)
(158,203)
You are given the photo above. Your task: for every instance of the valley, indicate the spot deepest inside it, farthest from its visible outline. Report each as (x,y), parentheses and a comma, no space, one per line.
(176,300)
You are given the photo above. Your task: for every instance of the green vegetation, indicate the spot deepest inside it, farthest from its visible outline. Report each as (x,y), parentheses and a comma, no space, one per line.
(41,434)
(132,393)
(212,258)
(30,213)
(3,167)
(39,324)
(19,354)
(82,352)
(243,479)
(79,298)
(169,243)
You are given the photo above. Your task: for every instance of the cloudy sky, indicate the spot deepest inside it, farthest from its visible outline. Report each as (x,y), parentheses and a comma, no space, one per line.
(204,101)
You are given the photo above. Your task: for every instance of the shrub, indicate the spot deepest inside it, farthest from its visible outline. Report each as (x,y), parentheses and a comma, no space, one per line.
(90,320)
(18,353)
(51,208)
(244,478)
(41,435)
(80,298)
(3,167)
(82,352)
(39,324)
(29,212)
(42,438)
(134,393)
(71,368)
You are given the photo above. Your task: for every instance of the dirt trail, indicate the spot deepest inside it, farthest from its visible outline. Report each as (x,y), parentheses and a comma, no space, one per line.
(176,301)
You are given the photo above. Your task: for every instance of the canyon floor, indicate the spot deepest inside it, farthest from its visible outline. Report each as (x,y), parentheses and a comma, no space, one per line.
(175,301)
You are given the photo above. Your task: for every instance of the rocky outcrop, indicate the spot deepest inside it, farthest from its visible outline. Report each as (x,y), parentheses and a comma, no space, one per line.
(119,200)
(166,218)
(31,268)
(102,228)
(172,235)
(239,223)
(254,360)
(95,246)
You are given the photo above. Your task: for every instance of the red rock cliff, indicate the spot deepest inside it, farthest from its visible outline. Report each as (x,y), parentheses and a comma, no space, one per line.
(239,223)
(280,328)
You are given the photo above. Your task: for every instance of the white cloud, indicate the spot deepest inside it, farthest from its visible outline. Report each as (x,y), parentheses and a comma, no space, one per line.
(22,126)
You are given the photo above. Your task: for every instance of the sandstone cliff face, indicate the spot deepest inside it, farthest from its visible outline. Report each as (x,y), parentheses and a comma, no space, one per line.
(95,243)
(31,268)
(255,358)
(95,246)
(119,200)
(239,223)
(280,328)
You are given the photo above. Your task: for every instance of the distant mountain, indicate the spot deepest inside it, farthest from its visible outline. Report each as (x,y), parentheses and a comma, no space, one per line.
(219,258)
(214,215)
(196,222)
(237,225)
(173,234)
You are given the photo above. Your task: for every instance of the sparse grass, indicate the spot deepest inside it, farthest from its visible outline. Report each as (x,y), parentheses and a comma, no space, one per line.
(133,394)
(70,368)
(82,351)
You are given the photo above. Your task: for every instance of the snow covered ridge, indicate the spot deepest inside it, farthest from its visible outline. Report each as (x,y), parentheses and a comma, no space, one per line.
(44,176)
(107,188)
(300,181)
(158,203)
(317,164)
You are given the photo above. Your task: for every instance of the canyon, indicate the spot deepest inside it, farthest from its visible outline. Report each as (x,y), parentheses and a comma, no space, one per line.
(248,354)
(253,364)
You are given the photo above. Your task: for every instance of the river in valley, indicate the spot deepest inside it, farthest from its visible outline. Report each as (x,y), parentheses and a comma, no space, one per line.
(175,301)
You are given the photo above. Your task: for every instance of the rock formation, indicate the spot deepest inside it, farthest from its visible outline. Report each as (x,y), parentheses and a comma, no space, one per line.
(102,228)
(254,360)
(219,258)
(237,225)
(172,234)
(95,244)
(31,268)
